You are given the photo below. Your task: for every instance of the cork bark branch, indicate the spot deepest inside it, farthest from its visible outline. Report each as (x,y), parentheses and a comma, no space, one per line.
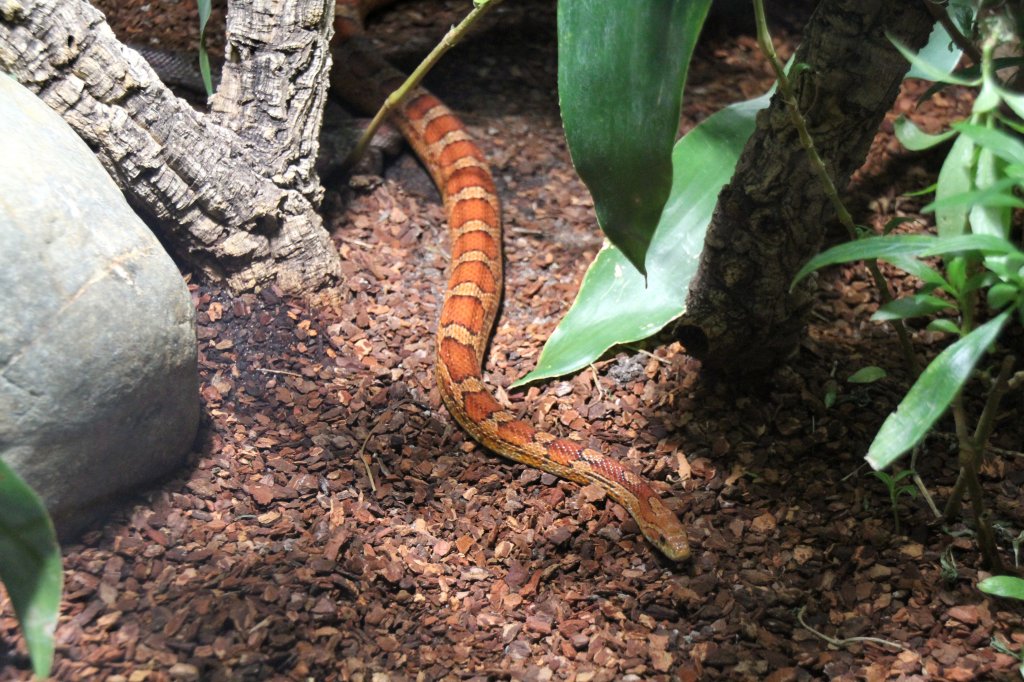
(233,192)
(771,218)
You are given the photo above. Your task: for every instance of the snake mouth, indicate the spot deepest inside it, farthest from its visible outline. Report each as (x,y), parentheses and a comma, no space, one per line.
(675,548)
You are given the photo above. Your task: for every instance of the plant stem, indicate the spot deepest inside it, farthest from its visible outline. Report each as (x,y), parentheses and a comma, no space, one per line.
(894,503)
(450,40)
(818,166)
(920,484)
(972,447)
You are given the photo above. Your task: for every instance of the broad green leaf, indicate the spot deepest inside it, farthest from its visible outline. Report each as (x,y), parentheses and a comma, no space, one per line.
(30,566)
(939,52)
(931,64)
(915,139)
(867,375)
(911,306)
(931,394)
(954,178)
(1003,586)
(615,305)
(621,70)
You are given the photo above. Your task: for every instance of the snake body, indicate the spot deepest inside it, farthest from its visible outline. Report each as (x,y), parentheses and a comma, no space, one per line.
(473,294)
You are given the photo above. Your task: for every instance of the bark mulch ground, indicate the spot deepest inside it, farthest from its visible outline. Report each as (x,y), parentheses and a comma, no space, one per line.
(334,523)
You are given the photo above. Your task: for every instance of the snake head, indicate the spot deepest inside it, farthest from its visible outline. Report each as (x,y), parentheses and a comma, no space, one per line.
(664,530)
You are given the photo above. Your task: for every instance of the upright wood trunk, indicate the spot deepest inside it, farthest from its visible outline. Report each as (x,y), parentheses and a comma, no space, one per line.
(233,192)
(771,217)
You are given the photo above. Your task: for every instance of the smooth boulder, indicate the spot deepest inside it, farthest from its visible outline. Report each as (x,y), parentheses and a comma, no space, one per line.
(98,376)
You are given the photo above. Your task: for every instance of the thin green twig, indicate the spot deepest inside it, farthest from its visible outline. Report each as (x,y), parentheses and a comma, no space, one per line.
(450,40)
(818,166)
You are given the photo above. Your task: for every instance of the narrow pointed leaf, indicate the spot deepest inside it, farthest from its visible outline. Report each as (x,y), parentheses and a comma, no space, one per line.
(621,69)
(1001,144)
(30,566)
(954,178)
(911,306)
(205,7)
(931,394)
(866,375)
(893,248)
(890,246)
(988,219)
(944,325)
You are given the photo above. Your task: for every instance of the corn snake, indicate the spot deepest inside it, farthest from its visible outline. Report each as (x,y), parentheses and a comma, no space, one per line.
(474,288)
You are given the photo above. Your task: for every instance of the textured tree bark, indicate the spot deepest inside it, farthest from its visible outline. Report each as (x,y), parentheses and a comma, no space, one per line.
(233,192)
(770,218)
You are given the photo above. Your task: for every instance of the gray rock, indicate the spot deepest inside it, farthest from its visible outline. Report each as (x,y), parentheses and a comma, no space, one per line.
(98,376)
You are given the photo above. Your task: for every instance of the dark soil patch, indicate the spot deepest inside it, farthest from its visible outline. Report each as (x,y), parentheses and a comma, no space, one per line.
(336,524)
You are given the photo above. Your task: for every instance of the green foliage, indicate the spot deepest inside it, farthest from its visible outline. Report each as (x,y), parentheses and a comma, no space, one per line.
(866,375)
(204,57)
(30,566)
(1007,586)
(897,489)
(939,52)
(948,568)
(978,188)
(974,196)
(931,395)
(620,98)
(616,304)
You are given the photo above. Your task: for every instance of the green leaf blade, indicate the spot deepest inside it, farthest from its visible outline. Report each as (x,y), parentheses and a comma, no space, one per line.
(940,53)
(931,394)
(911,306)
(883,248)
(620,99)
(615,305)
(915,139)
(954,178)
(1007,586)
(205,6)
(867,375)
(30,566)
(930,64)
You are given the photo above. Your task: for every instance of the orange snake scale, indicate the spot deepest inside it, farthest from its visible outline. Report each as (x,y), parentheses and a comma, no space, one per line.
(473,295)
